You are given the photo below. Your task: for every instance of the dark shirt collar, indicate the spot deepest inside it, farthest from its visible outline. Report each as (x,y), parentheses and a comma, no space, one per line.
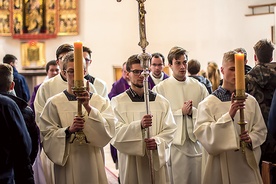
(223,94)
(136,98)
(69,96)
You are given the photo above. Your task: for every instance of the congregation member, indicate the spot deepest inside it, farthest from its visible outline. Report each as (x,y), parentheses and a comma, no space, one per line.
(184,94)
(100,85)
(130,138)
(121,85)
(157,64)
(261,80)
(213,75)
(15,145)
(194,69)
(52,69)
(118,87)
(76,162)
(6,87)
(21,87)
(218,131)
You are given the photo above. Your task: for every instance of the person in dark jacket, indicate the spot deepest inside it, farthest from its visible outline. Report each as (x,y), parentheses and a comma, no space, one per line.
(21,87)
(6,85)
(15,145)
(194,69)
(261,83)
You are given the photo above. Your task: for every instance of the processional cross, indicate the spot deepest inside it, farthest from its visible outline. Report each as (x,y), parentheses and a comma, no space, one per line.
(144,60)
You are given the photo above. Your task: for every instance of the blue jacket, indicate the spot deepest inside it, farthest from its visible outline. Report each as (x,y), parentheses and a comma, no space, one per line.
(21,87)
(15,145)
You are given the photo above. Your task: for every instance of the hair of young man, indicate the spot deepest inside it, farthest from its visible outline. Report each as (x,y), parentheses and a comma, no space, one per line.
(158,55)
(6,73)
(264,50)
(228,57)
(132,60)
(193,66)
(9,58)
(64,48)
(68,57)
(175,53)
(88,50)
(50,63)
(243,51)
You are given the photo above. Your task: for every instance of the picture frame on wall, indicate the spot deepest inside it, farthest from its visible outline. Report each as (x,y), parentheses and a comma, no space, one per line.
(68,22)
(38,19)
(33,55)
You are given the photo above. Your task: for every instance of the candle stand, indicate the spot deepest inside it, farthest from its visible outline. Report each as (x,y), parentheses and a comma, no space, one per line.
(79,136)
(240,95)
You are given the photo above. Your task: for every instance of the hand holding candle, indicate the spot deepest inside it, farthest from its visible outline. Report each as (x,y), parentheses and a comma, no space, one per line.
(78,65)
(239,74)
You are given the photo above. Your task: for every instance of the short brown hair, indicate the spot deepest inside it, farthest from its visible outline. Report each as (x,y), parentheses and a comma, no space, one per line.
(132,60)
(193,66)
(175,53)
(229,56)
(264,50)
(6,73)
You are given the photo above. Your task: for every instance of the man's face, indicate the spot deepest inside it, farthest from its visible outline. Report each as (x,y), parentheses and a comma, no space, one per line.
(88,60)
(60,61)
(228,71)
(135,76)
(69,73)
(53,71)
(124,72)
(156,66)
(179,67)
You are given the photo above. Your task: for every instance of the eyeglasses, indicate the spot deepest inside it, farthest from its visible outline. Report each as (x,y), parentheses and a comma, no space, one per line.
(69,72)
(136,72)
(159,65)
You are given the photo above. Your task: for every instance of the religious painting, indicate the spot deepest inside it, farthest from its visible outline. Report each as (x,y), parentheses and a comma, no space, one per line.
(33,55)
(5,18)
(67,4)
(68,17)
(34,16)
(68,24)
(38,19)
(4,4)
(17,23)
(5,23)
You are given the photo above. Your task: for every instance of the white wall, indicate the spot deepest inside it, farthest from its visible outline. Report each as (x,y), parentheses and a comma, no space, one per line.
(206,29)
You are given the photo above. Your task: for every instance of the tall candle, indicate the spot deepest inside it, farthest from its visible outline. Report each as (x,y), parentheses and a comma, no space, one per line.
(78,64)
(239,72)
